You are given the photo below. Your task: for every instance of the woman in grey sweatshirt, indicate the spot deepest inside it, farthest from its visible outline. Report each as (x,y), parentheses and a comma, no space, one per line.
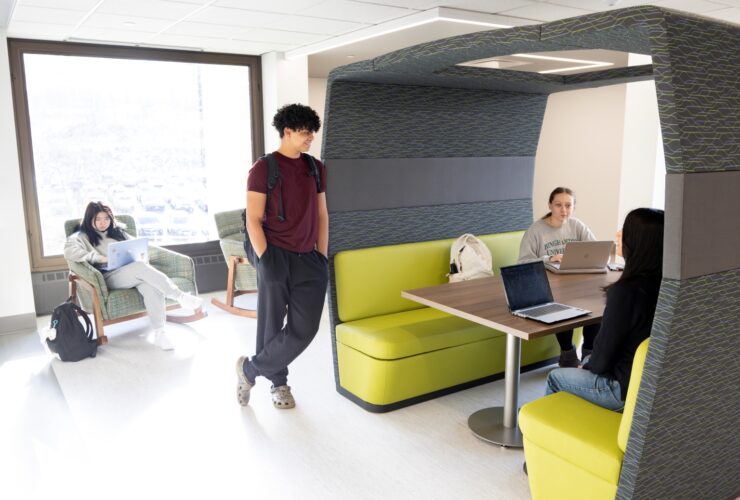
(97,230)
(545,240)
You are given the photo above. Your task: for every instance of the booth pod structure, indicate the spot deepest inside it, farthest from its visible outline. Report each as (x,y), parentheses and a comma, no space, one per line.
(421,150)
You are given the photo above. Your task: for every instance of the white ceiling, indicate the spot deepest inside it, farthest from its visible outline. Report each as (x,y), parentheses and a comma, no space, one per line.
(297,27)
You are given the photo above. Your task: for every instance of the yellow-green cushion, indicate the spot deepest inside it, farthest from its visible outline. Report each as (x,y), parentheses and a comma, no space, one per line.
(638,364)
(577,431)
(408,333)
(553,478)
(369,281)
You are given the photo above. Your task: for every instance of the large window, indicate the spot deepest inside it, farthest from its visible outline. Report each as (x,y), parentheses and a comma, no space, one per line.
(166,136)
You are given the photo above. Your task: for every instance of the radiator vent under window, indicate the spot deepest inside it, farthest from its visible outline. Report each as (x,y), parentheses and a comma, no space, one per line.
(54,276)
(208,259)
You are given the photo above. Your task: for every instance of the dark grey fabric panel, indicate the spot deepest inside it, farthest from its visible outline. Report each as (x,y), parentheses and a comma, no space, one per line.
(395,121)
(349,230)
(372,184)
(673,232)
(684,439)
(697,79)
(612,76)
(434,63)
(702,232)
(625,30)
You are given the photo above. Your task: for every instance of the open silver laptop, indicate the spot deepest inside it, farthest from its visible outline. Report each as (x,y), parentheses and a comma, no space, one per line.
(528,294)
(583,257)
(125,252)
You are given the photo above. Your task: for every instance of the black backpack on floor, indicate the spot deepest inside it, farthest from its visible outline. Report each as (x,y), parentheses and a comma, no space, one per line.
(74,341)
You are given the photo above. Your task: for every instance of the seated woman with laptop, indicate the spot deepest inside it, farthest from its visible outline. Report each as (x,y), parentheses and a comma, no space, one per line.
(545,240)
(97,231)
(628,317)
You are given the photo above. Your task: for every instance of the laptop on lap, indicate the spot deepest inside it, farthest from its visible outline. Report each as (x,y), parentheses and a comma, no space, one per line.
(583,257)
(125,252)
(528,294)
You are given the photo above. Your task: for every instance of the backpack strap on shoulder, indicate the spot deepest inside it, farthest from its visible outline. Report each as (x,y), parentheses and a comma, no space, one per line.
(314,170)
(273,174)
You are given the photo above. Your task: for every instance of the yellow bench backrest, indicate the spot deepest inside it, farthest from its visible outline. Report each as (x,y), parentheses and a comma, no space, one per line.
(638,364)
(369,281)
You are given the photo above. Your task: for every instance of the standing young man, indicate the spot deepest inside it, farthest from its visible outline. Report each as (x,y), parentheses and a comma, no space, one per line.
(288,246)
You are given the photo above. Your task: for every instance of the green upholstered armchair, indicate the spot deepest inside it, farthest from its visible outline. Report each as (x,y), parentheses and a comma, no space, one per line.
(87,285)
(241,277)
(575,449)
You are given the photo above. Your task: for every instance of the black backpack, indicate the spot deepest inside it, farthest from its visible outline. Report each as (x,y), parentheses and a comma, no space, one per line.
(73,341)
(273,174)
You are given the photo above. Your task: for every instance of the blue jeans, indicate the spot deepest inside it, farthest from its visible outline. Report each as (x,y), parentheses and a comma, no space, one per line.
(597,389)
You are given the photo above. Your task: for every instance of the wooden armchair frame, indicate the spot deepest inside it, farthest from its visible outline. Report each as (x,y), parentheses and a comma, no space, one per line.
(231,292)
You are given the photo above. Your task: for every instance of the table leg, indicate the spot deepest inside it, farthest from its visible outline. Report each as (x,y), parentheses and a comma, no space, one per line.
(499,425)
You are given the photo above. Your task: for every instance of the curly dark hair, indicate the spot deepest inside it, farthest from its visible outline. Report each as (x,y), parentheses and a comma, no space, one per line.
(296,117)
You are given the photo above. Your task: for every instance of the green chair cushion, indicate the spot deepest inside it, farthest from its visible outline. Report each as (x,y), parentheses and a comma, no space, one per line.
(369,281)
(576,430)
(408,333)
(233,245)
(229,223)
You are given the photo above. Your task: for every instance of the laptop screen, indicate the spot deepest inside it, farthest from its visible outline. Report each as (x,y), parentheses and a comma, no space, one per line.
(526,285)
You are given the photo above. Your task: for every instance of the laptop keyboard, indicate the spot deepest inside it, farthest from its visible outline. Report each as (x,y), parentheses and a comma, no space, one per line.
(546,309)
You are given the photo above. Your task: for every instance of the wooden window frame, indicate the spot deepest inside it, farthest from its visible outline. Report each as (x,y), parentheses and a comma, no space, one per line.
(17,48)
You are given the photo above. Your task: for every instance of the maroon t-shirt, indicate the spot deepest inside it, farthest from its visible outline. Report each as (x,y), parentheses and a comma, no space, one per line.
(300,229)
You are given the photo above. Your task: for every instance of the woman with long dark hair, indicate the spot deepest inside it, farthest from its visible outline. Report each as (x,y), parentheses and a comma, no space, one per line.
(545,240)
(89,243)
(628,316)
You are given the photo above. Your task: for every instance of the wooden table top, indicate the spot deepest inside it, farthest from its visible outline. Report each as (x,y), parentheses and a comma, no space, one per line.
(482,301)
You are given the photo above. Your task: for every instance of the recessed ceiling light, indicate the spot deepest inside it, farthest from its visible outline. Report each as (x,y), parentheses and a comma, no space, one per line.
(351,56)
(581,63)
(129,23)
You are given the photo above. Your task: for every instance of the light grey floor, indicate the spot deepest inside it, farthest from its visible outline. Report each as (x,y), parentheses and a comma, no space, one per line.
(166,424)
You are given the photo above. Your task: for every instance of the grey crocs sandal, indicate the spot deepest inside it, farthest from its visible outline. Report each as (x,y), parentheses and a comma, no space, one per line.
(243,385)
(281,397)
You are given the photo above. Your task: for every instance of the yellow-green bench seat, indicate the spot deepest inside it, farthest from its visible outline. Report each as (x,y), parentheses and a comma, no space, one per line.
(392,352)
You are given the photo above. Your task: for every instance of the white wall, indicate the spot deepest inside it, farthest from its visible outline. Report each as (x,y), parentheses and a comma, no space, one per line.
(603,143)
(581,148)
(283,82)
(317,100)
(16,294)
(640,184)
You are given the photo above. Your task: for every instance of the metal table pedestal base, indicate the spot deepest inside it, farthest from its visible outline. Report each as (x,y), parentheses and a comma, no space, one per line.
(488,425)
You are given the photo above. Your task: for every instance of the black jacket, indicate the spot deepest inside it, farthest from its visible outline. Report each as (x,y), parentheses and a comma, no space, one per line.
(627,321)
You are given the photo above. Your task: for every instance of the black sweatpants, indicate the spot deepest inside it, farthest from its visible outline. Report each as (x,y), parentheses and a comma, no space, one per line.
(291,285)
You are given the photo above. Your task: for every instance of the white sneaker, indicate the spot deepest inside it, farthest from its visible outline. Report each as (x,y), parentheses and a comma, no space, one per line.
(162,340)
(188,301)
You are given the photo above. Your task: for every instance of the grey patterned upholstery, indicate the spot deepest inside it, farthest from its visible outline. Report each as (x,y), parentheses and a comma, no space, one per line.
(231,235)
